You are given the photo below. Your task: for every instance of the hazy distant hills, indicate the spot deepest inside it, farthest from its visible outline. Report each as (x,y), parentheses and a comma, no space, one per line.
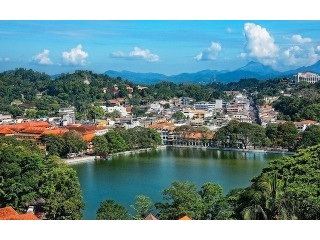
(250,70)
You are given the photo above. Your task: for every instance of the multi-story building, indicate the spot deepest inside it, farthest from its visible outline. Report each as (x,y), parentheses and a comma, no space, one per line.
(308,77)
(206,106)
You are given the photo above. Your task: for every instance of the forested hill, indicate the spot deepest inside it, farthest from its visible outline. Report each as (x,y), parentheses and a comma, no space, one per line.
(84,88)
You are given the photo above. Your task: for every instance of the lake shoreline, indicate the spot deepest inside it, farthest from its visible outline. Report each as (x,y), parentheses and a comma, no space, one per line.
(236,149)
(126,153)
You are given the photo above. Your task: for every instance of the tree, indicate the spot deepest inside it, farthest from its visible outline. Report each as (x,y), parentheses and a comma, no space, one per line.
(30,113)
(74,142)
(142,207)
(110,210)
(166,106)
(180,199)
(115,142)
(100,144)
(54,144)
(114,114)
(178,115)
(96,112)
(311,112)
(272,132)
(63,197)
(257,135)
(210,194)
(287,134)
(32,178)
(310,137)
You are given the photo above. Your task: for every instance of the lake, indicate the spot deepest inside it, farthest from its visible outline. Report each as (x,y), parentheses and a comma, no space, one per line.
(148,173)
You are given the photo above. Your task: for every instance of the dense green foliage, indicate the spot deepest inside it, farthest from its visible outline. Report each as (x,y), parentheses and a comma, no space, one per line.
(70,142)
(237,134)
(31,178)
(120,140)
(110,210)
(178,115)
(310,137)
(70,89)
(142,207)
(287,189)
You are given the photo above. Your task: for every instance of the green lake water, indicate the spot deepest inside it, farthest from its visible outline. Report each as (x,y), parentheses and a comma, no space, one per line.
(124,177)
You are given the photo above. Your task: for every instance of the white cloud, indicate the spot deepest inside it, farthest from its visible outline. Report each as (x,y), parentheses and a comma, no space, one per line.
(229,30)
(137,53)
(299,39)
(259,44)
(118,54)
(76,56)
(299,56)
(242,55)
(5,59)
(318,49)
(43,58)
(210,53)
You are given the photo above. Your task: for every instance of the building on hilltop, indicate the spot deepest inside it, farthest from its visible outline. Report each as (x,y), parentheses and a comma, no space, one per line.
(308,77)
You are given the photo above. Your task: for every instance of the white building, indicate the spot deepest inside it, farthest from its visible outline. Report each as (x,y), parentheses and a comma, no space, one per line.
(132,124)
(218,104)
(206,106)
(122,110)
(4,119)
(306,77)
(155,107)
(68,115)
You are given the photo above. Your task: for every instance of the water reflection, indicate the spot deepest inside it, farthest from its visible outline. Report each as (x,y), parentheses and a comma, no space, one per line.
(149,173)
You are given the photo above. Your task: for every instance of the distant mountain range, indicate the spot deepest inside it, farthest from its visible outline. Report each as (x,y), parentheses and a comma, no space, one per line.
(250,70)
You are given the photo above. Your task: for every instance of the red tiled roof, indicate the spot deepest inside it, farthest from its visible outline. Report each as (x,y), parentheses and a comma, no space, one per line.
(6,130)
(56,131)
(82,129)
(113,101)
(8,213)
(36,130)
(20,126)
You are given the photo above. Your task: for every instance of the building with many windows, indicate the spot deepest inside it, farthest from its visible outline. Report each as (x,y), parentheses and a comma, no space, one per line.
(308,77)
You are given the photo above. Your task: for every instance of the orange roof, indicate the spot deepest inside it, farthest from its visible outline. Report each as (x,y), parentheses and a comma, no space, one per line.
(100,128)
(129,108)
(305,122)
(199,111)
(36,130)
(8,213)
(267,106)
(160,125)
(27,216)
(88,137)
(6,130)
(20,126)
(185,218)
(56,131)
(82,129)
(198,135)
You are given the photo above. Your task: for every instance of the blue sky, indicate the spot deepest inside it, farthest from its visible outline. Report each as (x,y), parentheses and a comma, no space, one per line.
(168,47)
